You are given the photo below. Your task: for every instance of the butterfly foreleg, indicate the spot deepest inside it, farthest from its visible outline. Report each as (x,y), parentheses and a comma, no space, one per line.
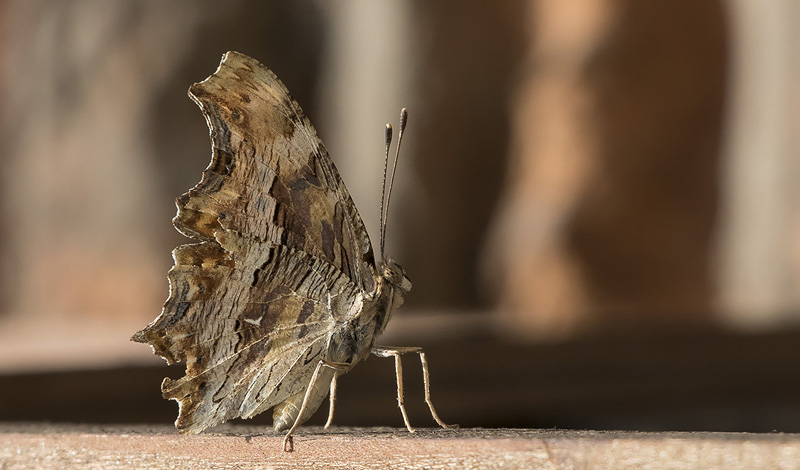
(396,352)
(337,368)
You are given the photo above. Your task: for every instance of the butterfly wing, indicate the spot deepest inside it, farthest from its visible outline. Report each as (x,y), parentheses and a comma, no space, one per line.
(283,253)
(270,175)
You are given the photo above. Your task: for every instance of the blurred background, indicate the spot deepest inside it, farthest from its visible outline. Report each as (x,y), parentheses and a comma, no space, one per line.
(596,201)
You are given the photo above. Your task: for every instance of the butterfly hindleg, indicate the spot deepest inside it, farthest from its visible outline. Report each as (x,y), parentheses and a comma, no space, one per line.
(337,367)
(332,398)
(396,352)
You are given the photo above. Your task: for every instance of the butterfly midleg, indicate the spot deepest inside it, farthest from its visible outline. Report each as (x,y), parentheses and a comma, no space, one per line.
(337,367)
(396,352)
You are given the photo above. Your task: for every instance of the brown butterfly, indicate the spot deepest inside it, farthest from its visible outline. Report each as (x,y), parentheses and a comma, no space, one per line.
(282,293)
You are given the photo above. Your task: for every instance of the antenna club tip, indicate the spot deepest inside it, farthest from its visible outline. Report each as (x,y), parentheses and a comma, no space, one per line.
(403,119)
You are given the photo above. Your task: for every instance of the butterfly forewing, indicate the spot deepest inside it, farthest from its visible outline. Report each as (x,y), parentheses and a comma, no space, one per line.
(270,176)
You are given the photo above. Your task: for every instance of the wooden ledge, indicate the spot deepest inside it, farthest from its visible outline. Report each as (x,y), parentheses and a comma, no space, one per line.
(118,446)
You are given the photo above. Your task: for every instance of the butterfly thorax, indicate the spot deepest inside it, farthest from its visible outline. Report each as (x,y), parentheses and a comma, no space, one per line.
(369,315)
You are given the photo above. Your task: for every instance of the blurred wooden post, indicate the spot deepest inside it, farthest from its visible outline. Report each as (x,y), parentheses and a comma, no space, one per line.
(609,211)
(759,262)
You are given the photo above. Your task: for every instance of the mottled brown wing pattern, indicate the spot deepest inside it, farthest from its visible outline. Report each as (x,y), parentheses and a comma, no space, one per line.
(270,176)
(283,254)
(261,346)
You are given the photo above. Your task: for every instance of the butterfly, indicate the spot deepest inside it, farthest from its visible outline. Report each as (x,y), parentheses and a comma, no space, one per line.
(281,294)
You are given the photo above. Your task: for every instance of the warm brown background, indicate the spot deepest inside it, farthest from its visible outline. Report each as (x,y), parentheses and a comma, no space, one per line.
(576,176)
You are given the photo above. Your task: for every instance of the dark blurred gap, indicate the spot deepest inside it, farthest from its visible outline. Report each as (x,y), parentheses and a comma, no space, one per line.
(700,380)
(469,68)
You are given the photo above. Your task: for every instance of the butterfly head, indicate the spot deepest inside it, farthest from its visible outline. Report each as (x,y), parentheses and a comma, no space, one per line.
(395,276)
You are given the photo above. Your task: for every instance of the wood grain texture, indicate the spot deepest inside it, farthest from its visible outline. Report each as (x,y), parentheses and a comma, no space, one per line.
(67,447)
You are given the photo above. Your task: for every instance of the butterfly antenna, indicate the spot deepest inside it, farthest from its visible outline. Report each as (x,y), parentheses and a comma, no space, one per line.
(388,140)
(385,217)
(388,194)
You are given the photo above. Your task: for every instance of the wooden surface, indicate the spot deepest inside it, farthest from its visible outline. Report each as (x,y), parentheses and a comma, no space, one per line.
(69,446)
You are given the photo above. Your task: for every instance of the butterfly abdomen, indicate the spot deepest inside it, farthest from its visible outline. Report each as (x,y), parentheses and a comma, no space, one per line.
(285,414)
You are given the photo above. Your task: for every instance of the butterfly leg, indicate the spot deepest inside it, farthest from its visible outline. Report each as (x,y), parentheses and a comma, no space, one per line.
(332,398)
(396,352)
(288,444)
(398,368)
